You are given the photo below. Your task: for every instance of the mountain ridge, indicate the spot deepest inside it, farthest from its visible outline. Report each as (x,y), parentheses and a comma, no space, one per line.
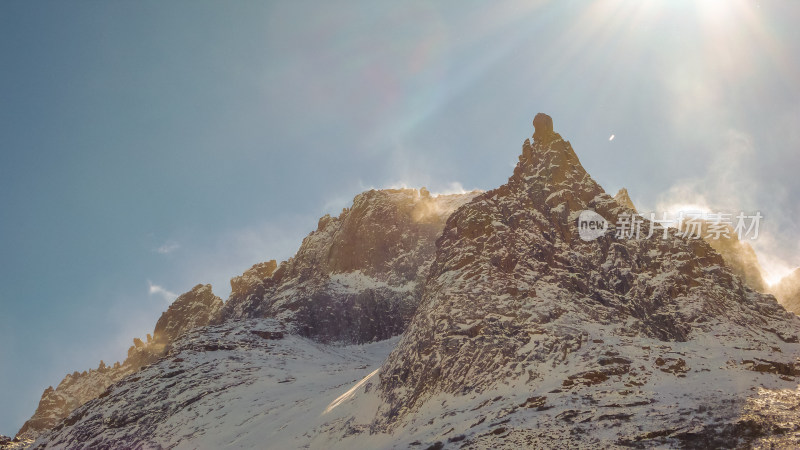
(523,333)
(361,286)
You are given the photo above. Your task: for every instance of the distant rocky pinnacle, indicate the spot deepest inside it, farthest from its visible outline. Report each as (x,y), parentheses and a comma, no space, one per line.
(543,128)
(244,284)
(624,199)
(191,310)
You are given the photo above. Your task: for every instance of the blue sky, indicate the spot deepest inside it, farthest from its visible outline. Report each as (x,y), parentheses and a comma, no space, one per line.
(150,146)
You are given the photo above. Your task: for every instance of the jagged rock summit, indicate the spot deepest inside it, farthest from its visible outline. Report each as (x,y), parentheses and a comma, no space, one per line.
(543,127)
(358,277)
(251,278)
(737,254)
(624,199)
(191,310)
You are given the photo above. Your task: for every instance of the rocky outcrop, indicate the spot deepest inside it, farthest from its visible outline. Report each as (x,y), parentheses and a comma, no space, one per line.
(74,390)
(357,278)
(624,199)
(738,255)
(251,278)
(543,128)
(6,443)
(787,291)
(191,310)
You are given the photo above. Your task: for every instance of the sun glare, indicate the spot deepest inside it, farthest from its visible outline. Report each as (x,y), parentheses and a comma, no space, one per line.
(717,11)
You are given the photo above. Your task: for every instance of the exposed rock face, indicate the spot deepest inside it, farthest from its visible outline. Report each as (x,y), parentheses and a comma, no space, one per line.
(73,391)
(6,443)
(738,255)
(543,128)
(251,278)
(192,309)
(788,291)
(357,278)
(624,199)
(518,307)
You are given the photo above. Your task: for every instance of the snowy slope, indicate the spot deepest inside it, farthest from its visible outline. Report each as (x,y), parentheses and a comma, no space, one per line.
(242,385)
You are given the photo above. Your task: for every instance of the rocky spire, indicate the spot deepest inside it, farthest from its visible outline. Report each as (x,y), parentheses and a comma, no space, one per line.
(624,199)
(543,128)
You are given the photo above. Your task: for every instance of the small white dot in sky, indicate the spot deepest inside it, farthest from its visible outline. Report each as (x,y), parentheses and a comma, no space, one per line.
(611,138)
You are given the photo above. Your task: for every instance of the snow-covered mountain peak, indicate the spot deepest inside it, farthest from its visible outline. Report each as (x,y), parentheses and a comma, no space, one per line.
(515,299)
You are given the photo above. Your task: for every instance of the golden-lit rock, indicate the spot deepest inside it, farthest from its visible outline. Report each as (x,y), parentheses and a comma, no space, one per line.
(624,199)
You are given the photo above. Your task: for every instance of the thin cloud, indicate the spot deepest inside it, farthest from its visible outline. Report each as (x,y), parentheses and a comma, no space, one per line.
(158,290)
(728,186)
(168,247)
